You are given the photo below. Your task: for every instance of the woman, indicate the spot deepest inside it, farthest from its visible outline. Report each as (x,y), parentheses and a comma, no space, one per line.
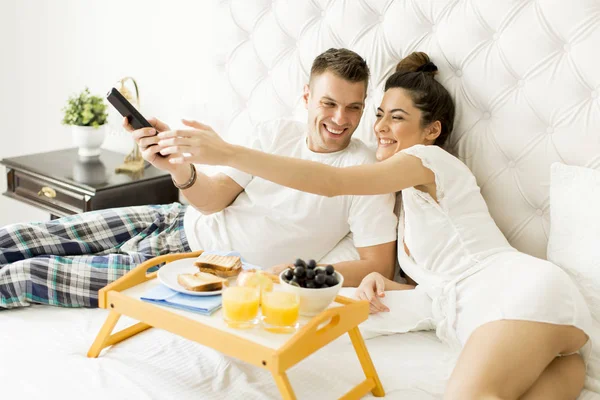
(519,320)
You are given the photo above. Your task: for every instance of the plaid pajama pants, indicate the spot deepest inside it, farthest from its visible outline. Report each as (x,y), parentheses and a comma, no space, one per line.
(65,262)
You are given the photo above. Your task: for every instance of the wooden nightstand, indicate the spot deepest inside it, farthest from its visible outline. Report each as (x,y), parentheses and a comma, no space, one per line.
(63,184)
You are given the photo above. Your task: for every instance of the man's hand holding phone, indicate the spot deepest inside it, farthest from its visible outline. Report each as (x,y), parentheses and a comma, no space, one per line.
(147,141)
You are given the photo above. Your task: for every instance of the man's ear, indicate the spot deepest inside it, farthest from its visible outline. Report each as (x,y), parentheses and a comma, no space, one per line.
(306,95)
(433,131)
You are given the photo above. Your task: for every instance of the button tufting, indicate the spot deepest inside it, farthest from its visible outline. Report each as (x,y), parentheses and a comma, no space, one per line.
(433,28)
(495,36)
(322,13)
(567,47)
(458,72)
(539,212)
(381,18)
(511,164)
(550,130)
(486,115)
(520,83)
(594,94)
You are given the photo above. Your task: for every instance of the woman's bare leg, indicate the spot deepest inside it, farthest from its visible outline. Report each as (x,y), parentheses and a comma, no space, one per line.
(504,359)
(562,379)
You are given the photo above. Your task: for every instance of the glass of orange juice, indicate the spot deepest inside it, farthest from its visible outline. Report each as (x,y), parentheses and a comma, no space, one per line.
(280,311)
(240,306)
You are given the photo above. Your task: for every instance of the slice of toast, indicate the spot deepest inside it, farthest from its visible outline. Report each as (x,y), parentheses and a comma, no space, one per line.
(201,282)
(223,274)
(227,265)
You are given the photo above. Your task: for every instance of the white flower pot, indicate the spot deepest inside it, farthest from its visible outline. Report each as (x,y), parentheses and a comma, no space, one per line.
(88,139)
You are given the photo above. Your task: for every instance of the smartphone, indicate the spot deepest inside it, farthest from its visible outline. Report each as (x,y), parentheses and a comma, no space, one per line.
(136,120)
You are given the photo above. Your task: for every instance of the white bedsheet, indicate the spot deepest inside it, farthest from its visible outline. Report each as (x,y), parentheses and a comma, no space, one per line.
(43,355)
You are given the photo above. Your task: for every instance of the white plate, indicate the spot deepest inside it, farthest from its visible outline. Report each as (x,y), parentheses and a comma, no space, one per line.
(167,275)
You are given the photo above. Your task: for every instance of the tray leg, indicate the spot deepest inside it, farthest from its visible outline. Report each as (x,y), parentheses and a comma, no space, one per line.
(104,333)
(285,388)
(105,339)
(365,361)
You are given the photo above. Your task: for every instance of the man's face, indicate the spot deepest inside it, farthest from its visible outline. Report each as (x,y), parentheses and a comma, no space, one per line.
(335,107)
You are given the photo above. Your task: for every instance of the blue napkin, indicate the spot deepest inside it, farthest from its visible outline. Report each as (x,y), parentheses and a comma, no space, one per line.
(167,297)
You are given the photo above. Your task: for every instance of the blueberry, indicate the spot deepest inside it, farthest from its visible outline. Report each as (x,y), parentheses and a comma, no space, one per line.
(331,281)
(311,285)
(300,263)
(310,274)
(299,272)
(288,275)
(295,282)
(320,279)
(312,264)
(329,269)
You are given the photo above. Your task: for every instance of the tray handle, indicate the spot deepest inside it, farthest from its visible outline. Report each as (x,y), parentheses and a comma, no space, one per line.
(140,274)
(322,329)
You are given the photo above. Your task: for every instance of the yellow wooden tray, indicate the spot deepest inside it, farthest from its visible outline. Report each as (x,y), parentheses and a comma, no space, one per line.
(273,352)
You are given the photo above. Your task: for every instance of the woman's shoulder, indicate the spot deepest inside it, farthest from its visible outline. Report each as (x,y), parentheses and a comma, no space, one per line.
(432,154)
(448,169)
(430,150)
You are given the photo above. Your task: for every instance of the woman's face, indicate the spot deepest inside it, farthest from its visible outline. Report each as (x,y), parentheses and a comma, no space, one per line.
(398,124)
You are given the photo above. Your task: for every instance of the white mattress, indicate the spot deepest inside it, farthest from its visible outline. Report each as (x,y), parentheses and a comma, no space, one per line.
(43,354)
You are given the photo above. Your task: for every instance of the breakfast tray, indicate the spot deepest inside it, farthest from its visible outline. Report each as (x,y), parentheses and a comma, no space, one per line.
(273,352)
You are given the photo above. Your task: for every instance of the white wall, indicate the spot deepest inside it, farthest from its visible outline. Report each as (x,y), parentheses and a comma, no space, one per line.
(52,49)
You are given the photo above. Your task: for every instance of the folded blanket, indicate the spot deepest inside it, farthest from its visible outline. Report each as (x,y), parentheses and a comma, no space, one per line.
(410,310)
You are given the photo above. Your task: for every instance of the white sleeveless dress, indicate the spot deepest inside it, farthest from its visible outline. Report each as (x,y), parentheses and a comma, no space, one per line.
(467,266)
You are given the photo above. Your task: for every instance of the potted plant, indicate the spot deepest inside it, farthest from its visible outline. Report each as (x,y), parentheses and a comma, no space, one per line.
(87,116)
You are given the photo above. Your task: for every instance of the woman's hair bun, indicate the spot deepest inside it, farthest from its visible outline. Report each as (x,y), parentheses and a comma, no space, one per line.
(417,62)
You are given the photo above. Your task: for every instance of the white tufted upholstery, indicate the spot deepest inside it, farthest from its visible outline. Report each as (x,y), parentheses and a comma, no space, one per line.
(525,76)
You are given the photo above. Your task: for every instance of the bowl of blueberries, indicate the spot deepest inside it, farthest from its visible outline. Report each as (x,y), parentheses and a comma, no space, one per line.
(317,285)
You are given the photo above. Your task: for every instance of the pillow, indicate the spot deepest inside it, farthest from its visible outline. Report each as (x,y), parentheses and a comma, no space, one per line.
(574,242)
(343,251)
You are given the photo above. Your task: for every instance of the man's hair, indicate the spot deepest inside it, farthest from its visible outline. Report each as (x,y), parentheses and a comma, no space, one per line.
(343,63)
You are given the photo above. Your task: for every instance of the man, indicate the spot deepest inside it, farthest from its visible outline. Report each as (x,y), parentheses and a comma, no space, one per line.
(65,262)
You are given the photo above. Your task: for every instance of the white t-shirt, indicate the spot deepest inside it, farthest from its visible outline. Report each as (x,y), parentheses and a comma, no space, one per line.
(271,224)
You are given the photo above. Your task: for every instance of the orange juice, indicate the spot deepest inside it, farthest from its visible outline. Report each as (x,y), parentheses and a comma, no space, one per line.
(280,311)
(255,279)
(240,306)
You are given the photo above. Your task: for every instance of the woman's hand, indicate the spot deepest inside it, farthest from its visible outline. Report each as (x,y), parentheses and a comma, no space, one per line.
(277,269)
(371,288)
(201,145)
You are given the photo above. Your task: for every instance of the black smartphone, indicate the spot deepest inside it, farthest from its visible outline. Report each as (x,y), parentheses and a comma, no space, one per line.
(123,106)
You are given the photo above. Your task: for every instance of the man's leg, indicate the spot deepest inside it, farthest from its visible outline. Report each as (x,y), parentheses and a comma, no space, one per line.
(53,263)
(97,232)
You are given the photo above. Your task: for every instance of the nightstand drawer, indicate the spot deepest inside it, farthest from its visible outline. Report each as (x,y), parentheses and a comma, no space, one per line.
(46,194)
(63,183)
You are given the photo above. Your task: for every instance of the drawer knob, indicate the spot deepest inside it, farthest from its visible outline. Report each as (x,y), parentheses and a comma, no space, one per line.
(48,192)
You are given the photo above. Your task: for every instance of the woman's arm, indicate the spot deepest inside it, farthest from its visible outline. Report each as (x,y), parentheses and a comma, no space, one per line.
(392,175)
(204,146)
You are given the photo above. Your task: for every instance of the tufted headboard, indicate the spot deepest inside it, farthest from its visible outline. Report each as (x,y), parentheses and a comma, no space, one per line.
(525,76)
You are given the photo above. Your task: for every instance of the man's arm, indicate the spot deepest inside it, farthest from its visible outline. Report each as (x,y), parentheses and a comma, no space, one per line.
(209,194)
(379,258)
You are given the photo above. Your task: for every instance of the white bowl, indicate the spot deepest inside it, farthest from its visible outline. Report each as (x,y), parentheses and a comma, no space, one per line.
(313,301)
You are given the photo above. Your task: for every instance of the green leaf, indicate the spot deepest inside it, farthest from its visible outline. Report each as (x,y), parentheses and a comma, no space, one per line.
(84,109)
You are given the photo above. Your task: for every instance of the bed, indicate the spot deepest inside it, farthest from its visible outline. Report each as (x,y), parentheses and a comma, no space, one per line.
(525,81)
